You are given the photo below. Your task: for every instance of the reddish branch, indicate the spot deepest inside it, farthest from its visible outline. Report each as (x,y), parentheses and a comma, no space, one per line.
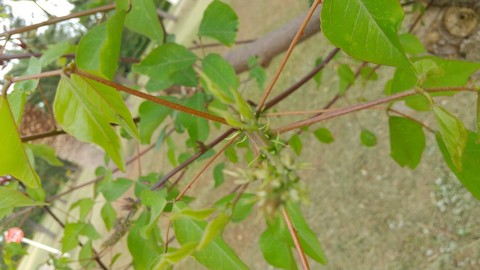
(296,241)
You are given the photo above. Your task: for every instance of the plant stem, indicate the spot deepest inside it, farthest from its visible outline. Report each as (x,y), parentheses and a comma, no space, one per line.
(47,74)
(363,106)
(58,19)
(287,55)
(296,241)
(210,45)
(289,113)
(412,119)
(8,57)
(163,102)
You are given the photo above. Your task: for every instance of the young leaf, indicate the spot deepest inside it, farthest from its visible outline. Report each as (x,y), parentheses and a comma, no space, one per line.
(216,255)
(308,239)
(27,86)
(213,230)
(324,135)
(151,116)
(13,160)
(109,215)
(112,190)
(453,134)
(169,64)
(85,109)
(44,152)
(85,206)
(54,52)
(174,256)
(99,49)
(469,176)
(276,252)
(10,198)
(296,144)
(368,138)
(220,22)
(143,19)
(218,174)
(347,77)
(366,29)
(407,141)
(197,214)
(411,44)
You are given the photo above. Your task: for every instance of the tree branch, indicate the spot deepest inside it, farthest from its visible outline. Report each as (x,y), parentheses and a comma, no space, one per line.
(296,241)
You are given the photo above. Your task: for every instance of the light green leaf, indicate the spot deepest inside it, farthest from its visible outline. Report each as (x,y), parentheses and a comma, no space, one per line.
(346,78)
(143,19)
(231,154)
(296,144)
(85,206)
(168,64)
(70,235)
(197,214)
(28,86)
(450,72)
(243,207)
(219,22)
(308,239)
(112,190)
(222,75)
(368,138)
(85,109)
(216,255)
(99,49)
(109,215)
(13,159)
(11,198)
(324,135)
(54,52)
(469,176)
(89,231)
(411,44)
(366,29)
(453,134)
(258,72)
(17,100)
(44,152)
(143,251)
(275,251)
(213,230)
(407,141)
(157,202)
(151,116)
(174,256)
(218,174)
(86,256)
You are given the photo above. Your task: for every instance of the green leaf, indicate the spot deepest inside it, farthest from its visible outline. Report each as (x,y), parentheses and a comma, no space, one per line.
(99,49)
(231,154)
(143,19)
(70,235)
(218,174)
(89,231)
(11,198)
(366,29)
(34,68)
(213,230)
(318,77)
(221,74)
(469,176)
(112,190)
(169,64)
(219,22)
(256,71)
(143,251)
(197,214)
(85,109)
(157,202)
(324,135)
(151,116)
(109,215)
(296,144)
(174,256)
(453,134)
(478,117)
(86,256)
(243,207)
(44,152)
(368,138)
(275,251)
(411,44)
(346,76)
(216,255)
(85,206)
(407,141)
(54,52)
(16,100)
(449,73)
(13,159)
(308,239)
(197,128)
(368,73)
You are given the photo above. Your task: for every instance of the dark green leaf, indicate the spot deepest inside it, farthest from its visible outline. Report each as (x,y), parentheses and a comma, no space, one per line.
(411,44)
(324,135)
(366,29)
(368,138)
(407,141)
(275,251)
(166,62)
(220,22)
(151,116)
(112,190)
(368,73)
(13,159)
(143,19)
(99,49)
(453,134)
(218,174)
(216,255)
(470,173)
(296,144)
(346,78)
(108,215)
(197,127)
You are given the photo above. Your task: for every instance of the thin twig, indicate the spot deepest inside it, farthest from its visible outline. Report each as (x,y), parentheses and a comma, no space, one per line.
(431,130)
(287,55)
(57,19)
(288,113)
(47,74)
(210,45)
(164,102)
(296,241)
